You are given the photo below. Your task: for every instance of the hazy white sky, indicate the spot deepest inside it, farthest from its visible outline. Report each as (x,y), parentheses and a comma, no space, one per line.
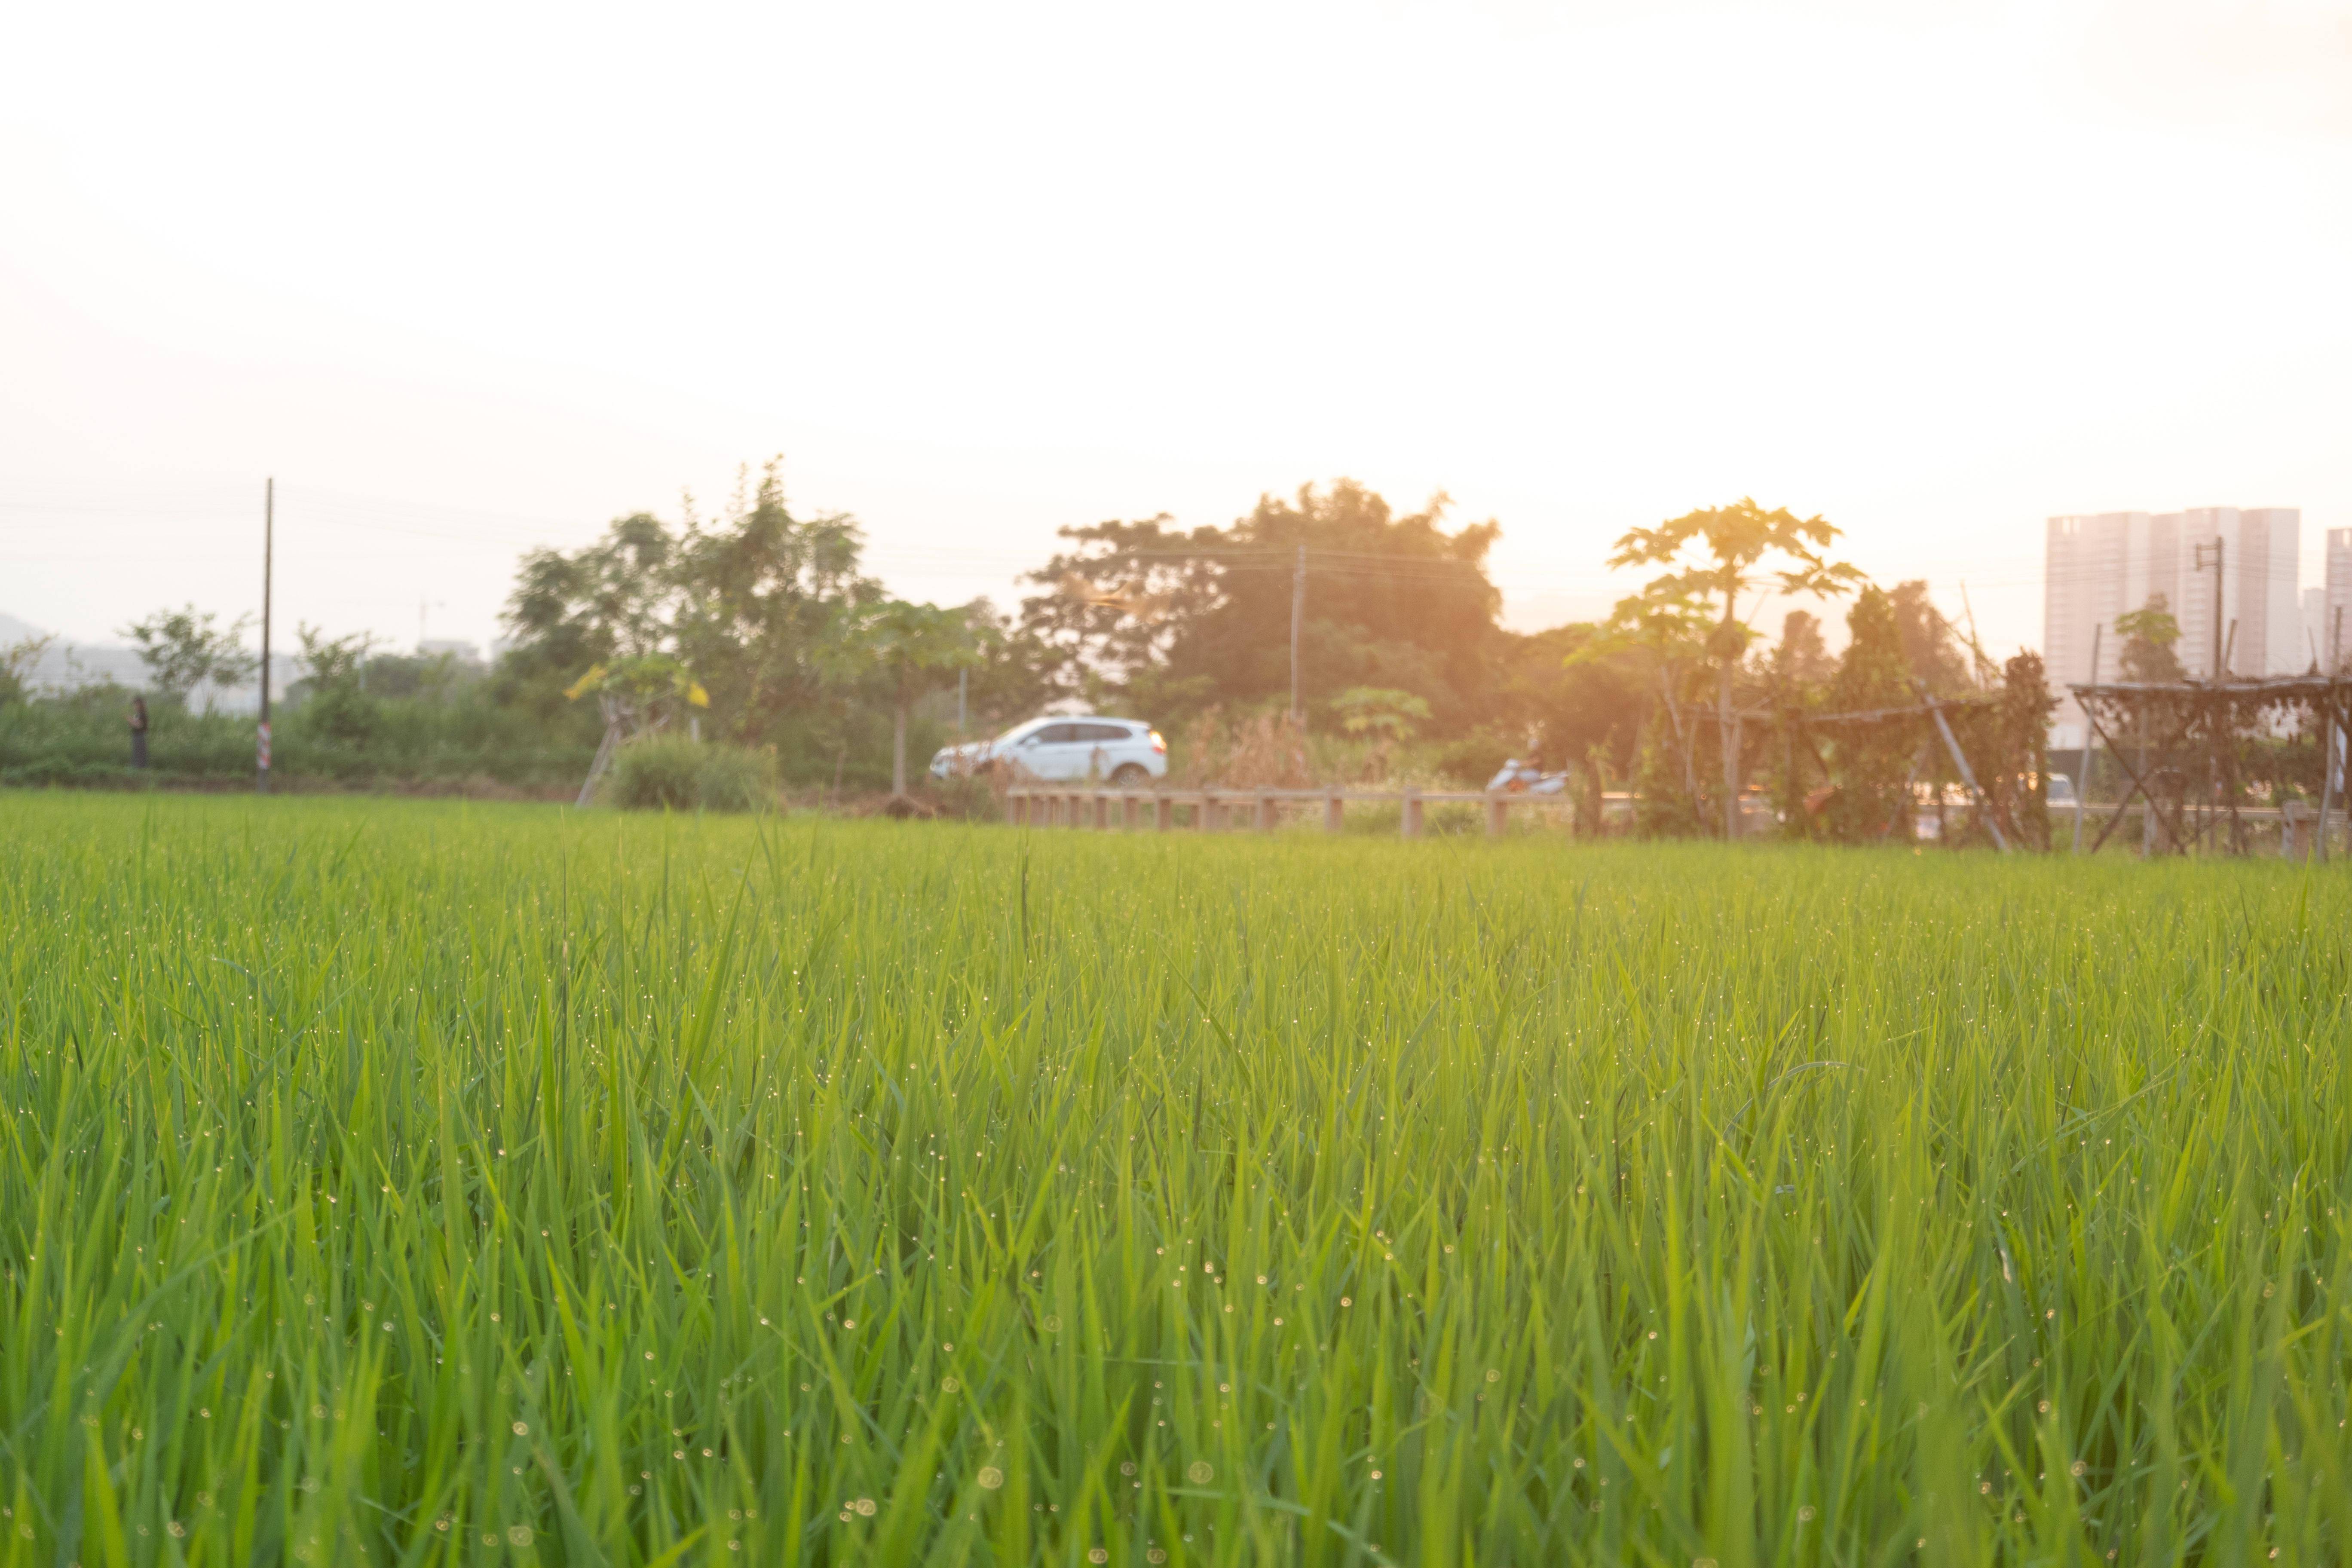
(466,279)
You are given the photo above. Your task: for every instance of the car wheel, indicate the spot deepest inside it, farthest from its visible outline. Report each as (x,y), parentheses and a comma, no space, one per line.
(1130,775)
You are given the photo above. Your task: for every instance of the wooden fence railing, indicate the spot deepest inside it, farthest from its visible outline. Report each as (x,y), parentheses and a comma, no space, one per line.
(1095,805)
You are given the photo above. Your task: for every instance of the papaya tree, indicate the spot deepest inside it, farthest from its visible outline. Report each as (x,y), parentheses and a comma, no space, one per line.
(639,693)
(1719,554)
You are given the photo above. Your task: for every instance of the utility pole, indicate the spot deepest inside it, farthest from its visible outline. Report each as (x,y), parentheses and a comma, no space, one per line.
(268,543)
(2331,738)
(1297,615)
(2083,784)
(2335,671)
(963,698)
(2215,672)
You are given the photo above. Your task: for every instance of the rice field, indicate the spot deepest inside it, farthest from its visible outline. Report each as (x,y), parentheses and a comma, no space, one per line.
(435,1184)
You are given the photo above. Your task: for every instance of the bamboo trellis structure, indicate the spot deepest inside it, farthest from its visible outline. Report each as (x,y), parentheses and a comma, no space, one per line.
(2175,725)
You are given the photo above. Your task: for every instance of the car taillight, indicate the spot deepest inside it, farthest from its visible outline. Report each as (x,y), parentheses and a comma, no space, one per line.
(1159,743)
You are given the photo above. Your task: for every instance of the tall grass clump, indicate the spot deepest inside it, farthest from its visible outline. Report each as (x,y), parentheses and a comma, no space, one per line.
(654,772)
(430,1182)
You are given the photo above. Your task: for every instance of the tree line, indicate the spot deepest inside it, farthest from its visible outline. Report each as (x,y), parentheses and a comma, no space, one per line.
(1382,624)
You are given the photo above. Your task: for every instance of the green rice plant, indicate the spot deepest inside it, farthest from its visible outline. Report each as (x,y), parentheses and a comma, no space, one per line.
(430,1183)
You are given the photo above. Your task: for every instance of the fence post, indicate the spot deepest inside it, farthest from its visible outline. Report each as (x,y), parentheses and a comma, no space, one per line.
(1126,812)
(2294,831)
(1204,816)
(1495,807)
(1332,812)
(1265,814)
(1102,811)
(1163,813)
(1411,826)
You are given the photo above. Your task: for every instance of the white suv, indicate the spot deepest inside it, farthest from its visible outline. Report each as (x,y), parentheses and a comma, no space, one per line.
(1128,752)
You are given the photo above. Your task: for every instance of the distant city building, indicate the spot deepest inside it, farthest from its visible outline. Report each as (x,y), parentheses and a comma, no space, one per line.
(2331,632)
(2101,566)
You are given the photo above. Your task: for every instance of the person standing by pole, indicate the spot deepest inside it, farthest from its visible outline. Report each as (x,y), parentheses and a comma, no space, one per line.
(138,733)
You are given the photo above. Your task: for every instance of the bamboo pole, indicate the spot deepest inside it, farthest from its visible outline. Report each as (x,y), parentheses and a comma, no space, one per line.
(1968,774)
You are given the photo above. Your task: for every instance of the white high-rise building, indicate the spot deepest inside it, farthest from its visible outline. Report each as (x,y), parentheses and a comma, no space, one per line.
(2100,566)
(2332,631)
(2272,537)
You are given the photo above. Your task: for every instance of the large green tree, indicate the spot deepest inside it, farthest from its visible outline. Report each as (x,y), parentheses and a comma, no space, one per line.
(907,648)
(1571,691)
(185,648)
(1012,678)
(2151,637)
(1871,764)
(749,601)
(1802,657)
(331,699)
(1930,643)
(1719,554)
(761,591)
(1170,622)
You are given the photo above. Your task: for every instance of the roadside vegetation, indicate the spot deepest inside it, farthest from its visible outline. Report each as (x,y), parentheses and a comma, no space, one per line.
(1406,672)
(1324,637)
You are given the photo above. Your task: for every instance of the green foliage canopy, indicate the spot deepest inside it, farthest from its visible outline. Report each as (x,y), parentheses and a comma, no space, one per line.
(751,602)
(1173,622)
(186,647)
(1871,764)
(2149,634)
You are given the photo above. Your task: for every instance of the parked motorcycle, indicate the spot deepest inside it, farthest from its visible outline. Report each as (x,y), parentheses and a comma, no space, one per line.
(1527,778)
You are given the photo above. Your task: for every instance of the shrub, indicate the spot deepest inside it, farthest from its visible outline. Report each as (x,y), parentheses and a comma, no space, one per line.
(654,771)
(1264,749)
(974,797)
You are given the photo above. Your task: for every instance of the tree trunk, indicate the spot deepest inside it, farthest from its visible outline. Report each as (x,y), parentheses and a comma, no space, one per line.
(899,748)
(1686,745)
(1729,726)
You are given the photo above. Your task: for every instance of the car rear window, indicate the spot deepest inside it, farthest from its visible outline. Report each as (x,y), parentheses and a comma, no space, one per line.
(1058,735)
(1100,731)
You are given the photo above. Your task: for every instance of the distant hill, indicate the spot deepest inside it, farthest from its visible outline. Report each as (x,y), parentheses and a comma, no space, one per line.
(13,630)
